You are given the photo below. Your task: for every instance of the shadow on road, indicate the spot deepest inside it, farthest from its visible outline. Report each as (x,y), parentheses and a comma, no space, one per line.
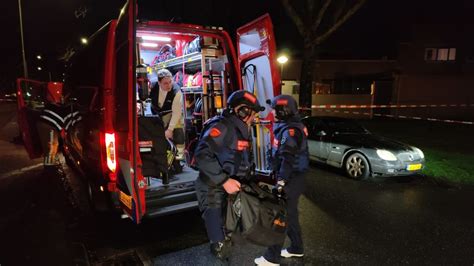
(402,219)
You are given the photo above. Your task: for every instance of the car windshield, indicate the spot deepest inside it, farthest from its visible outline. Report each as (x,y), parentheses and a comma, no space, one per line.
(346,126)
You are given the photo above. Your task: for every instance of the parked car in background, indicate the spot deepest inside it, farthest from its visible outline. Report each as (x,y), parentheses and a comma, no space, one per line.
(344,143)
(8,97)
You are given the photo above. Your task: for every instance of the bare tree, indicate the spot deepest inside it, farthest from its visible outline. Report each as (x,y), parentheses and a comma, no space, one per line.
(316,20)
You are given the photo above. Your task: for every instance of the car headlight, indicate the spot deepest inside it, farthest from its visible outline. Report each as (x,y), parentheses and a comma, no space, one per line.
(422,155)
(386,155)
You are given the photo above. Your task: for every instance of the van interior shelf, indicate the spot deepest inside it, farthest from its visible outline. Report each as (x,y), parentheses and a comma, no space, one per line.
(179,61)
(192,89)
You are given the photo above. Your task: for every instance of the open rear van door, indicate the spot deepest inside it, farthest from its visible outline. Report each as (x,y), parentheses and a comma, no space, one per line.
(31,97)
(256,51)
(130,182)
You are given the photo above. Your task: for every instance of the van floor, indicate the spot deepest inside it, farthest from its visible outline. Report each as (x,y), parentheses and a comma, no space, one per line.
(188,174)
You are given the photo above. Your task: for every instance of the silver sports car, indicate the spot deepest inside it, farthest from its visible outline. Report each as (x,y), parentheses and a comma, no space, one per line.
(344,143)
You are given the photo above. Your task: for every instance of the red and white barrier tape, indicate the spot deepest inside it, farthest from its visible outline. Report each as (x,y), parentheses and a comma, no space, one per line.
(403,117)
(372,106)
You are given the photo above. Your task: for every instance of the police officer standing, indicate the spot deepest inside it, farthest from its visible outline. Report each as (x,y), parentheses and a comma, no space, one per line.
(53,120)
(223,158)
(290,162)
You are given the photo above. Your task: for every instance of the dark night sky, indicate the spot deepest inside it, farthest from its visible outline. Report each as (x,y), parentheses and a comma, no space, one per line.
(51,26)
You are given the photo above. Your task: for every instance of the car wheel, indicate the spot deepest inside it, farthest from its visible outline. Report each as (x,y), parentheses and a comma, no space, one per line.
(357,167)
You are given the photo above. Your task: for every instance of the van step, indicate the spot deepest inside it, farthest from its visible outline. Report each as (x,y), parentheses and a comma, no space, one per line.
(162,191)
(154,212)
(171,199)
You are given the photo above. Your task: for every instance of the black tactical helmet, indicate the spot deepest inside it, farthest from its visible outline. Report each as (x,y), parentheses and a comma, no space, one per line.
(285,106)
(245,98)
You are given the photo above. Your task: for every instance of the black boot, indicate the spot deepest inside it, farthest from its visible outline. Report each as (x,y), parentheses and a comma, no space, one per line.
(221,249)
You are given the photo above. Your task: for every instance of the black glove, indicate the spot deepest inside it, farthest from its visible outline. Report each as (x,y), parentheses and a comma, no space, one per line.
(251,172)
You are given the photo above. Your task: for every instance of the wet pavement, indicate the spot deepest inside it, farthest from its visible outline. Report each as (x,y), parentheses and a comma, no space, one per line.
(391,222)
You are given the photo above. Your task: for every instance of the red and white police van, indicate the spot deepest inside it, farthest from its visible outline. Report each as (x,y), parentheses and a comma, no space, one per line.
(121,151)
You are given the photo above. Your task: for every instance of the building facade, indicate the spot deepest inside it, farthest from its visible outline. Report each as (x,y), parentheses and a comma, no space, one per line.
(436,67)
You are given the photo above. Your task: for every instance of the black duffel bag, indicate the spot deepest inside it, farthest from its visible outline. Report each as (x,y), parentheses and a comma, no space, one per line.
(256,215)
(154,158)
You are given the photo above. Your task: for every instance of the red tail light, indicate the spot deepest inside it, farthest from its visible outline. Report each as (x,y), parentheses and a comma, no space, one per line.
(110,150)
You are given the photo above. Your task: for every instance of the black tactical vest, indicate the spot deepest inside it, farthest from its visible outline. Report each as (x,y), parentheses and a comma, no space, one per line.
(234,154)
(301,161)
(167,103)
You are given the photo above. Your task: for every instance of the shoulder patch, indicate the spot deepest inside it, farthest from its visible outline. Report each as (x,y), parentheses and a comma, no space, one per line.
(214,132)
(242,145)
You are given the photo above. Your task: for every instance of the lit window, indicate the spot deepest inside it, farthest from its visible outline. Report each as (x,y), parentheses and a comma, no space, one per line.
(452,54)
(443,54)
(440,54)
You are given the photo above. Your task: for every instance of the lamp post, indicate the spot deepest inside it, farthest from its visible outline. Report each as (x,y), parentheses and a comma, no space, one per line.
(25,68)
(40,68)
(282,59)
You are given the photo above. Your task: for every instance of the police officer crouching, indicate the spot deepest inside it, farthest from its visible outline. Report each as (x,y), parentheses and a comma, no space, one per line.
(290,161)
(223,158)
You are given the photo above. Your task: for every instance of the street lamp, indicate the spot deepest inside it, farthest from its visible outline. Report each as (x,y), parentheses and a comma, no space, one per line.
(25,67)
(84,40)
(39,57)
(282,59)
(39,68)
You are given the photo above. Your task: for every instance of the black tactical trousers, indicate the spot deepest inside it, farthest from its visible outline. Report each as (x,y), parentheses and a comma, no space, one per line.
(293,190)
(211,201)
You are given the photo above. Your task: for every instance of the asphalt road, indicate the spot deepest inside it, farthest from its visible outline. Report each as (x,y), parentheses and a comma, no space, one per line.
(391,222)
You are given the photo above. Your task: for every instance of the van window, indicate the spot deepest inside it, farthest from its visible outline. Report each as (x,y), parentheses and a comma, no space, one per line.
(87,67)
(122,46)
(84,97)
(34,94)
(87,70)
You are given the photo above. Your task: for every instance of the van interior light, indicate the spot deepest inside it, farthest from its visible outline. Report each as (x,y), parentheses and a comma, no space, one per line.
(156,38)
(149,44)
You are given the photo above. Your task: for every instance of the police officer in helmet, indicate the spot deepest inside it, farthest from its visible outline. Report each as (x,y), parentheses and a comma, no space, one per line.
(290,161)
(223,158)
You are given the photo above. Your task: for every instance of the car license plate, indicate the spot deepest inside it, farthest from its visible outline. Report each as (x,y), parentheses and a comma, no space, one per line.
(414,167)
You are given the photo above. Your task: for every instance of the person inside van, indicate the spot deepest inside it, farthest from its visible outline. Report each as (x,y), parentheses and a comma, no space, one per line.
(166,99)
